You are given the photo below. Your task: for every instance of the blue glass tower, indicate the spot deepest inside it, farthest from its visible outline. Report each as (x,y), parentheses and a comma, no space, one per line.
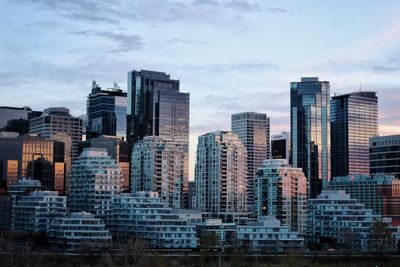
(310,131)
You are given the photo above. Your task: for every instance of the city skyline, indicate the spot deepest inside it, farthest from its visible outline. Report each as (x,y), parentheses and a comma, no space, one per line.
(70,45)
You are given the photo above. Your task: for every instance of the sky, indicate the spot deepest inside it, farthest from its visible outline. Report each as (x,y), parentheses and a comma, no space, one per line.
(231,55)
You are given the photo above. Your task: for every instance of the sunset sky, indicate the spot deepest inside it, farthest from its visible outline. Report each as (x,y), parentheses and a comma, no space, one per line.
(232,56)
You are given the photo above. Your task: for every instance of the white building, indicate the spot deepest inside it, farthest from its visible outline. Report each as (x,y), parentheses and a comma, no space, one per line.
(333,215)
(142,215)
(34,212)
(268,234)
(161,166)
(281,191)
(79,231)
(221,173)
(96,180)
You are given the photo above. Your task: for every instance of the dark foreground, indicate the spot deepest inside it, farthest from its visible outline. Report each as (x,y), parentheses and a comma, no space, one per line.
(104,259)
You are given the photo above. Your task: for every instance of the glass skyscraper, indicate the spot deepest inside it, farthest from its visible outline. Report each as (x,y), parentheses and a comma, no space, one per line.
(106,111)
(310,131)
(156,107)
(354,119)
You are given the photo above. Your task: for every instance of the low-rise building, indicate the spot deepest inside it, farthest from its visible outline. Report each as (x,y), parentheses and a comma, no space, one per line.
(268,234)
(225,233)
(79,230)
(142,215)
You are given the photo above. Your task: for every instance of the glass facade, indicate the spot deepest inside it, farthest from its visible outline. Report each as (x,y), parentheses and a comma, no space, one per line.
(354,119)
(106,111)
(310,131)
(384,155)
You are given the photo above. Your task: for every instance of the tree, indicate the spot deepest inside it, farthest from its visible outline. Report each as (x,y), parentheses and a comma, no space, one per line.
(135,253)
(381,238)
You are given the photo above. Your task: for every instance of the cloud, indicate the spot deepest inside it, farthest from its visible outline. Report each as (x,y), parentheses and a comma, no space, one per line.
(126,42)
(184,41)
(242,6)
(244,66)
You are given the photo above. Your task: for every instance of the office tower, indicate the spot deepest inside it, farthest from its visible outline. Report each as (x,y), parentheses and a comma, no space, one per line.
(34,212)
(221,173)
(117,149)
(336,216)
(384,155)
(79,230)
(160,166)
(143,215)
(380,192)
(95,181)
(354,119)
(106,111)
(34,157)
(58,124)
(281,191)
(253,130)
(16,114)
(280,146)
(310,131)
(156,107)
(267,234)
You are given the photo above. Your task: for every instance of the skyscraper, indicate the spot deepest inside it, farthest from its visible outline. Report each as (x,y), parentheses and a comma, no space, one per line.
(160,166)
(253,130)
(14,113)
(310,131)
(280,146)
(95,181)
(220,174)
(384,154)
(354,119)
(106,111)
(281,191)
(156,108)
(58,124)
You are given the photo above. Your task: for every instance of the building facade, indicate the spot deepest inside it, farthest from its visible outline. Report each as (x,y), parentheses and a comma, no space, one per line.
(268,235)
(384,155)
(79,230)
(35,212)
(354,119)
(117,149)
(221,173)
(14,113)
(106,111)
(95,181)
(144,216)
(34,157)
(381,193)
(253,130)
(280,146)
(310,131)
(281,191)
(160,166)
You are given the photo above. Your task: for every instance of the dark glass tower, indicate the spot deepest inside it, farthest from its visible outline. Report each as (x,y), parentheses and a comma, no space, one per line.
(156,107)
(106,111)
(354,119)
(310,131)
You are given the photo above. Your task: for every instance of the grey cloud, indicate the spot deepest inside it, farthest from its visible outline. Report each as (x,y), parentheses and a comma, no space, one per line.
(231,67)
(206,2)
(277,9)
(243,6)
(126,42)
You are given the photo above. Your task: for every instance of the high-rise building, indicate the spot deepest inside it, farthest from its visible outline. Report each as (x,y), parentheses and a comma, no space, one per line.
(310,131)
(253,130)
(191,195)
(280,146)
(95,181)
(156,107)
(281,191)
(384,155)
(221,173)
(106,111)
(34,212)
(160,166)
(381,193)
(59,124)
(117,149)
(16,114)
(336,216)
(354,119)
(34,157)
